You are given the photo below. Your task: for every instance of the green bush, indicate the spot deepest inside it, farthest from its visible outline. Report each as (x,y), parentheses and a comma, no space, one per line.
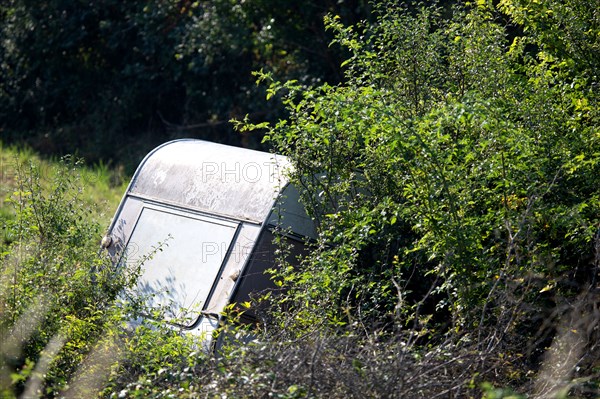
(56,292)
(454,179)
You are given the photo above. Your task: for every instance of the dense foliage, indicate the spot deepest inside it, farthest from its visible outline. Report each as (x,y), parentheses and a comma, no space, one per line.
(55,293)
(455,181)
(106,78)
(454,176)
(450,151)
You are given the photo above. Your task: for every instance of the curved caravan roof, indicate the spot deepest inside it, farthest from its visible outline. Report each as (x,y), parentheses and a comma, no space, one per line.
(212,178)
(197,215)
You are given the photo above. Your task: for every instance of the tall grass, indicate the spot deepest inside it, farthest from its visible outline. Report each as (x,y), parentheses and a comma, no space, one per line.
(101,186)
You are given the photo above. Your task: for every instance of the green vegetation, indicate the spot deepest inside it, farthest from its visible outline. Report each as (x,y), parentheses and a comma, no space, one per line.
(99,187)
(55,292)
(110,80)
(454,176)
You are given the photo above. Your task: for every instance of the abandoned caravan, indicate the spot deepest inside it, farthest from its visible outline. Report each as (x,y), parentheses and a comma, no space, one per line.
(200,217)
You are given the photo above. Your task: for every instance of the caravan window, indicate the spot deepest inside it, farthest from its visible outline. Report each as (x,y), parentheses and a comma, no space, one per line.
(182,256)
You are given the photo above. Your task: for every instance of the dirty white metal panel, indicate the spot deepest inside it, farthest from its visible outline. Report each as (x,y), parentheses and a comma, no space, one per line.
(213,178)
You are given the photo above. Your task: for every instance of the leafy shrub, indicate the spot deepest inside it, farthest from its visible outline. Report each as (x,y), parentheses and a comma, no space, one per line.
(454,179)
(56,293)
